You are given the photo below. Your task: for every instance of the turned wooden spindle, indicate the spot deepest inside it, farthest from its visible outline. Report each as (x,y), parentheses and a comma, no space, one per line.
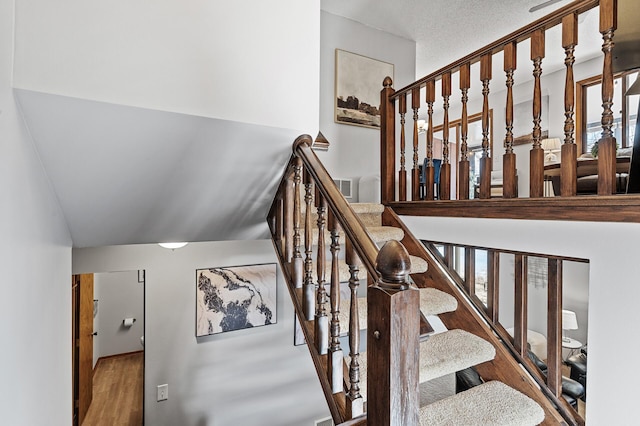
(335,358)
(485,161)
(288,218)
(355,401)
(392,342)
(536,157)
(321,319)
(309,288)
(445,168)
(415,171)
(296,261)
(430,175)
(510,185)
(463,164)
(569,152)
(387,142)
(607,144)
(402,174)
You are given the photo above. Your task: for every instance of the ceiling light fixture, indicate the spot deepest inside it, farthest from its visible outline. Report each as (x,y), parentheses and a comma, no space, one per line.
(172,245)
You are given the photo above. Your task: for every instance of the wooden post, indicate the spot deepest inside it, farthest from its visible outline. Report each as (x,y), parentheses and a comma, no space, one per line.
(415,171)
(335,358)
(296,262)
(402,174)
(445,168)
(470,269)
(607,144)
(485,161)
(430,175)
(536,170)
(510,184)
(387,143)
(392,342)
(520,301)
(569,153)
(493,284)
(463,164)
(309,288)
(554,326)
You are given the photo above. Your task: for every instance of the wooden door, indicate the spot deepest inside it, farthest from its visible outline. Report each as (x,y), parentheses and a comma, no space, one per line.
(83,351)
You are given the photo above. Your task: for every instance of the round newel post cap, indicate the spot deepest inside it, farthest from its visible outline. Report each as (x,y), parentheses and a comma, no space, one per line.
(387,82)
(393,264)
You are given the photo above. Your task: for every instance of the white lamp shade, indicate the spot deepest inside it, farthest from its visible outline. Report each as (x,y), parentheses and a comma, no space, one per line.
(552,144)
(569,320)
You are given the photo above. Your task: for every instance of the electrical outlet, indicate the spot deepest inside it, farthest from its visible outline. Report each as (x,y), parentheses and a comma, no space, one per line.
(163,392)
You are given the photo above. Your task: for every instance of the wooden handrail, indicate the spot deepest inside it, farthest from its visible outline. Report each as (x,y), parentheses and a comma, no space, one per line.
(349,222)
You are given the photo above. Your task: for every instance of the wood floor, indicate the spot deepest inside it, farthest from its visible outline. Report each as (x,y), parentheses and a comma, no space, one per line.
(117,391)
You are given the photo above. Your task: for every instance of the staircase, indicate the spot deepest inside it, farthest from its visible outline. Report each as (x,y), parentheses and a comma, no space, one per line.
(443,353)
(382,385)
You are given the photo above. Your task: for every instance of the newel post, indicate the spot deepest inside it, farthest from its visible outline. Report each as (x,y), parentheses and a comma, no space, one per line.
(387,143)
(393,342)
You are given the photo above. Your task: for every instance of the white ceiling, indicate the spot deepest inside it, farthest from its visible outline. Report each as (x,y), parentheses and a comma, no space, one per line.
(126,175)
(444,30)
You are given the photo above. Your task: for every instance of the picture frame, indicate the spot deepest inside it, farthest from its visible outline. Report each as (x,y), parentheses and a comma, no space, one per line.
(233,298)
(358,82)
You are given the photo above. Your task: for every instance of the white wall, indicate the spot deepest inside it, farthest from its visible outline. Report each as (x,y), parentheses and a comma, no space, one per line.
(613,290)
(249,61)
(35,259)
(119,296)
(247,377)
(355,150)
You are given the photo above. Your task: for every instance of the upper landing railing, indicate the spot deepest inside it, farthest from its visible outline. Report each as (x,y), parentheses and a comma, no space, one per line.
(393,102)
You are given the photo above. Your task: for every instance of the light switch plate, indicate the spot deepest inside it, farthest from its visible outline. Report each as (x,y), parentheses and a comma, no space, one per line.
(163,392)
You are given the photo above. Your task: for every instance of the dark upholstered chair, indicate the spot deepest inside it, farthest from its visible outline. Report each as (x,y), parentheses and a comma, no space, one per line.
(578,365)
(571,389)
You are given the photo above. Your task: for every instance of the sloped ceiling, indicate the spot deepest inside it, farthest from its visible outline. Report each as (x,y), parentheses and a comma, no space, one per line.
(126,175)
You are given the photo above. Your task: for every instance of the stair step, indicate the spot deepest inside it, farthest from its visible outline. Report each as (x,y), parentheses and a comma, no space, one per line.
(369,213)
(442,354)
(452,351)
(490,404)
(379,235)
(432,302)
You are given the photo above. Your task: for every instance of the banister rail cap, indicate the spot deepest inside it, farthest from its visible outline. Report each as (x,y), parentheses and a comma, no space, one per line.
(387,82)
(393,264)
(302,140)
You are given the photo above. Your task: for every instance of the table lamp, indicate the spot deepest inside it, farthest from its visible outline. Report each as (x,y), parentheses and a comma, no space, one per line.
(569,322)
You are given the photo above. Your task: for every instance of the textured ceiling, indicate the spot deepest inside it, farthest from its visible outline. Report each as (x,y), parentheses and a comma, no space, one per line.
(444,30)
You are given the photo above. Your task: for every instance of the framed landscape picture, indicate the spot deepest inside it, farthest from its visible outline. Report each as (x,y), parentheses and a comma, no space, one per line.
(358,85)
(234,298)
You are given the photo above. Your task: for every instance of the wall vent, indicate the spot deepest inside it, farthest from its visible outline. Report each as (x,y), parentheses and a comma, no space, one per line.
(345,186)
(324,422)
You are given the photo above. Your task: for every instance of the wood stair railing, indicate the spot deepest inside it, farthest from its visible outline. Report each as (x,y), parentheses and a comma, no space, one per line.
(394,299)
(392,346)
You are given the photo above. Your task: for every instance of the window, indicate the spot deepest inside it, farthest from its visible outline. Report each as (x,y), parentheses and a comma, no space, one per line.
(625,110)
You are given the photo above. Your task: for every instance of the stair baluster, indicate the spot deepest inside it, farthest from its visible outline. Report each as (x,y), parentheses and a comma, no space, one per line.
(402,174)
(296,261)
(415,172)
(430,175)
(355,402)
(445,169)
(568,167)
(309,288)
(485,161)
(463,165)
(536,172)
(321,319)
(509,188)
(336,357)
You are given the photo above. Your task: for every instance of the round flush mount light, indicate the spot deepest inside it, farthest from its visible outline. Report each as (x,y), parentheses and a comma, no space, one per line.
(172,246)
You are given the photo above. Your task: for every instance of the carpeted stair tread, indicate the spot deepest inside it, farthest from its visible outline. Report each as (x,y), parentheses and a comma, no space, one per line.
(490,404)
(452,351)
(438,302)
(442,354)
(379,235)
